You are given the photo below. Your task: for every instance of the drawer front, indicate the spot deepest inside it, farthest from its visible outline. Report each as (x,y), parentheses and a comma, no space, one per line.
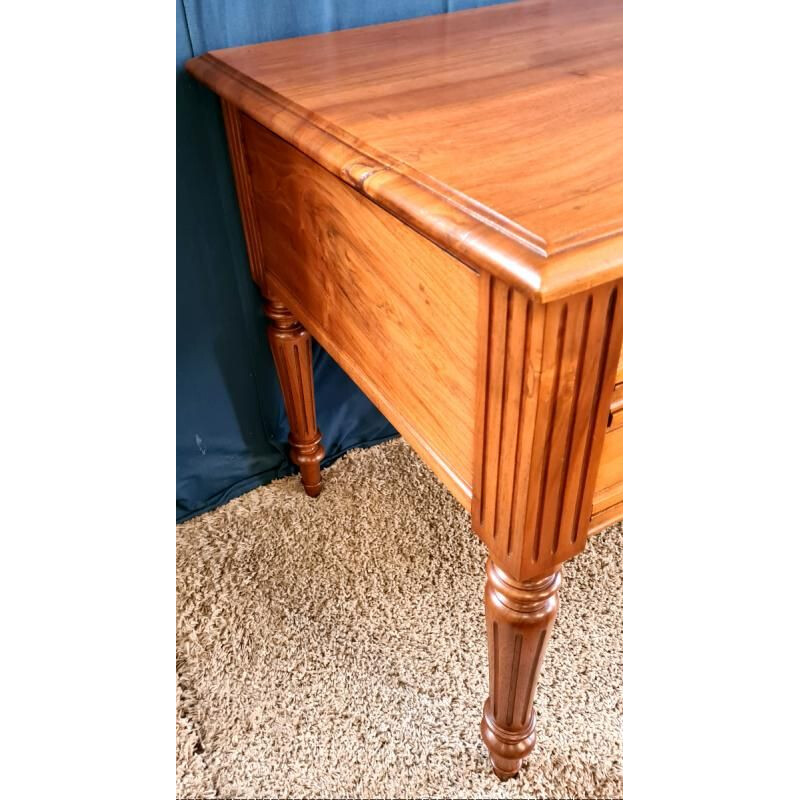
(609,478)
(399,314)
(607,500)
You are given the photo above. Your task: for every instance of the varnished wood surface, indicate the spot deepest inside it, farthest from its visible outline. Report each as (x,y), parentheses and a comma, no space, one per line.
(616,397)
(519,621)
(399,314)
(439,203)
(291,350)
(610,473)
(544,394)
(603,519)
(494,132)
(607,500)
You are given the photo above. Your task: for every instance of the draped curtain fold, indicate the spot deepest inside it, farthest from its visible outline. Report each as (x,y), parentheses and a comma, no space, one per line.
(231,424)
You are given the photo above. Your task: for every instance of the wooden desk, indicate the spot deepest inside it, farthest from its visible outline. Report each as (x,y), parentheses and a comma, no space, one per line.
(439,203)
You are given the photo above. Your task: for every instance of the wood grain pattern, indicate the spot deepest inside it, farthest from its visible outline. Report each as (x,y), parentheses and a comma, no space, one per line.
(378,297)
(519,621)
(404,113)
(544,395)
(439,202)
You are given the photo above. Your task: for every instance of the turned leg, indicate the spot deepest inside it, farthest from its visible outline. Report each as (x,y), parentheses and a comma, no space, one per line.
(546,375)
(291,349)
(519,620)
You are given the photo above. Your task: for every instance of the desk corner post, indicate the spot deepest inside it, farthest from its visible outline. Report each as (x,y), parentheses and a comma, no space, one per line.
(288,339)
(546,375)
(291,350)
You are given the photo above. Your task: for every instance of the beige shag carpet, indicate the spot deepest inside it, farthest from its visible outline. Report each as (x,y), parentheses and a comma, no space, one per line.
(336,647)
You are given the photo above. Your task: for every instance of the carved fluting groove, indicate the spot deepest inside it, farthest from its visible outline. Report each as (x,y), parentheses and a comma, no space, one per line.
(547,373)
(244,190)
(291,350)
(519,620)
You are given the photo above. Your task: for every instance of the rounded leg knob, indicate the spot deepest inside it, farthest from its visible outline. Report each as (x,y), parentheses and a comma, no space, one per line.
(307,456)
(507,749)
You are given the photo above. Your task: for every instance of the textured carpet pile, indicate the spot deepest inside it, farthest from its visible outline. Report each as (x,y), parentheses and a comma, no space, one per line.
(336,647)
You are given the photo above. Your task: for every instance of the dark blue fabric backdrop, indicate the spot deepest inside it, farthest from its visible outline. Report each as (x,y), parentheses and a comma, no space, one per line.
(231,424)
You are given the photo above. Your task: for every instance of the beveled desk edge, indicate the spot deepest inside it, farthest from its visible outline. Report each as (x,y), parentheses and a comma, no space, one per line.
(478,236)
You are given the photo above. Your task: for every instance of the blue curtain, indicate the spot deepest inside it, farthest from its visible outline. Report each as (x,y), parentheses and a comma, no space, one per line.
(231,424)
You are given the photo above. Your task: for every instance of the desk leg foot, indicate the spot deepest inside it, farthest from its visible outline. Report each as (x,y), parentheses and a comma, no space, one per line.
(291,349)
(519,621)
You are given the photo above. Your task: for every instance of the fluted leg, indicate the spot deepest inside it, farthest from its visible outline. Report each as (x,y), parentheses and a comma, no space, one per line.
(519,621)
(291,349)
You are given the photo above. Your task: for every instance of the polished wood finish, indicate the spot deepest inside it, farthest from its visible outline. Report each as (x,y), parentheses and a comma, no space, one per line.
(291,350)
(438,202)
(607,500)
(610,473)
(404,112)
(519,621)
(377,296)
(547,373)
(288,339)
(244,191)
(602,519)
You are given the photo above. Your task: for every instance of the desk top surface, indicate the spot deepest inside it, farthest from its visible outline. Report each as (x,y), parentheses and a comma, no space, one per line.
(496,132)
